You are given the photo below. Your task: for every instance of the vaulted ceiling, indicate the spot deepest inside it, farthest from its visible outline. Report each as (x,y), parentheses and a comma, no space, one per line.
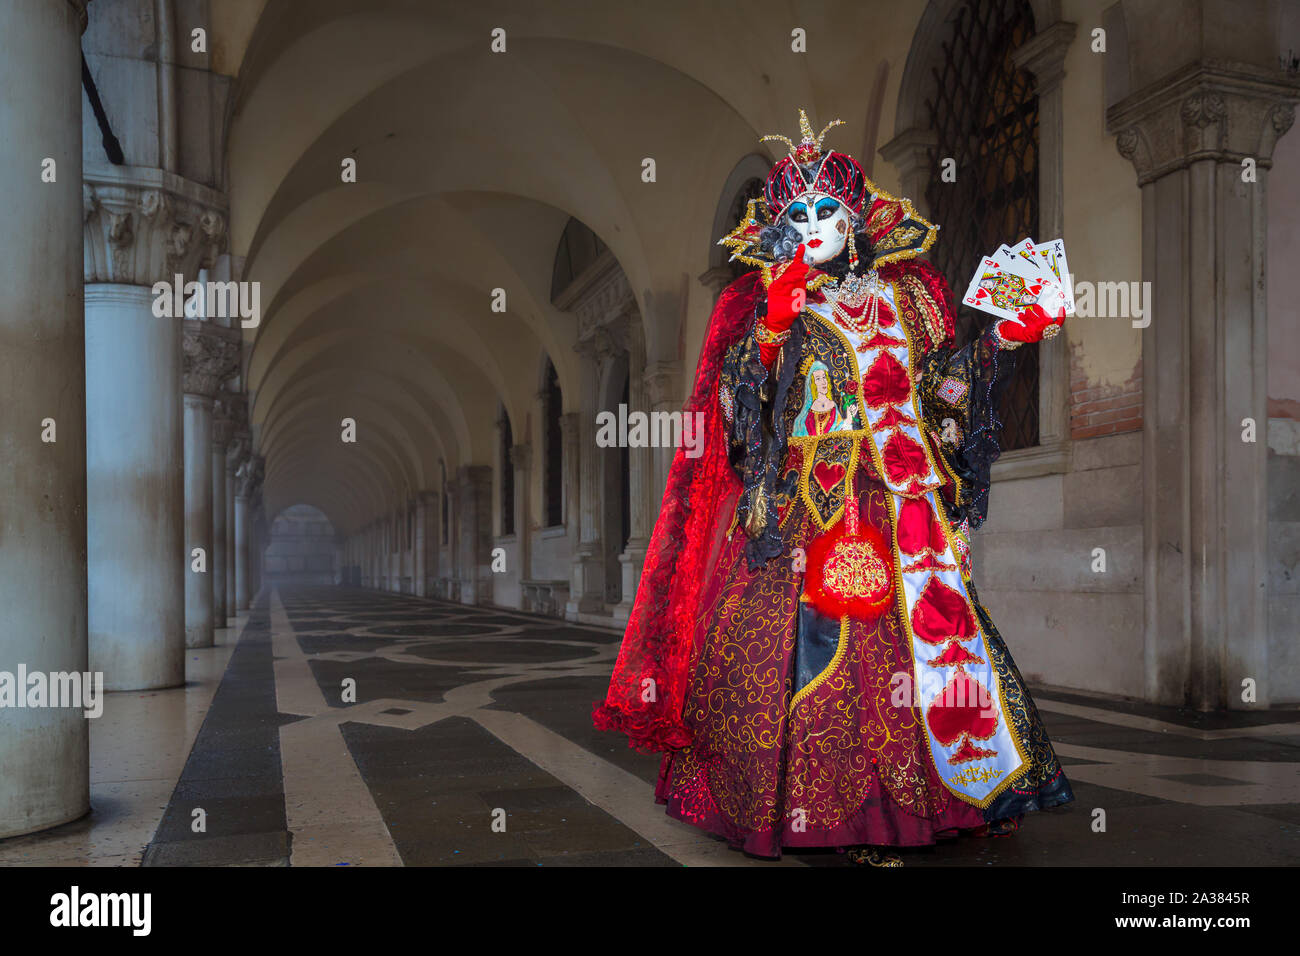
(376,295)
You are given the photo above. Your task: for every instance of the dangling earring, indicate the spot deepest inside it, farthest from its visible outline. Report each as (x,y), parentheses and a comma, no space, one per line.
(853,251)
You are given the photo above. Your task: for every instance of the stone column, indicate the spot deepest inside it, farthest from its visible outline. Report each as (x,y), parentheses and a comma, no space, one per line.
(198,520)
(233,460)
(521,459)
(242,528)
(587,587)
(570,465)
(135,499)
(141,226)
(475,544)
(451,574)
(426,542)
(418,546)
(44,750)
(211,355)
(663,391)
(221,432)
(372,572)
(258,537)
(1189,133)
(640,480)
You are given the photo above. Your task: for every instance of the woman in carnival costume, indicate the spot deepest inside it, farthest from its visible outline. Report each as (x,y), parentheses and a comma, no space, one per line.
(807,647)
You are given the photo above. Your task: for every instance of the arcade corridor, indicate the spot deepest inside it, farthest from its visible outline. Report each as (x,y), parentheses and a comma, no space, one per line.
(372,371)
(460,712)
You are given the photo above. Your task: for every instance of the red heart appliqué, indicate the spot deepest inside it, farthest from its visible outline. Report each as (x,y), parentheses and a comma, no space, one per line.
(827,475)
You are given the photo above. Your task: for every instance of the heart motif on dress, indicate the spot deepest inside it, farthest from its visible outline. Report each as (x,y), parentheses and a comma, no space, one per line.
(964,709)
(916,529)
(828,475)
(942,614)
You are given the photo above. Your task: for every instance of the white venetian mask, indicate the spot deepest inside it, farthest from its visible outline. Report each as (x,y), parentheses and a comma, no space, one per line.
(823,223)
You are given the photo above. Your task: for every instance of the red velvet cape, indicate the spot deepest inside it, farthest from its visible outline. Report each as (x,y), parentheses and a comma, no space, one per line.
(647,691)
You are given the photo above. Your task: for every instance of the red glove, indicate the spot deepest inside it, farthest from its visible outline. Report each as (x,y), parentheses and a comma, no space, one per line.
(785,299)
(1036,325)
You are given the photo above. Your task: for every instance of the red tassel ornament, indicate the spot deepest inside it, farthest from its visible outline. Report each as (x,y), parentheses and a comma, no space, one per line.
(849,569)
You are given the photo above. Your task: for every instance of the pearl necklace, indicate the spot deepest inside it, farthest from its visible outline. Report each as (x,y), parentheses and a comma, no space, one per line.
(852,293)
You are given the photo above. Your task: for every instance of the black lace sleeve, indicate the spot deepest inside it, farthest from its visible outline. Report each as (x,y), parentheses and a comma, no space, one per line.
(753,400)
(960,393)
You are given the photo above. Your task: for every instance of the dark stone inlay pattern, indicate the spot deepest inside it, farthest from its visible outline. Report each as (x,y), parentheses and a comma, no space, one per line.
(324,624)
(233,771)
(437,788)
(455,629)
(534,623)
(324,643)
(501,651)
(400,616)
(563,705)
(378,678)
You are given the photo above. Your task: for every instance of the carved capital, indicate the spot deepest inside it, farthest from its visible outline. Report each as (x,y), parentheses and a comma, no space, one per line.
(223,426)
(521,456)
(1282,117)
(144,226)
(239,450)
(474,478)
(211,355)
(1222,113)
(715,280)
(250,477)
(662,384)
(604,341)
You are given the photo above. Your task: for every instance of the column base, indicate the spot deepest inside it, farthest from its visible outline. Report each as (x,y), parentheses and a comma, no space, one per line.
(587,593)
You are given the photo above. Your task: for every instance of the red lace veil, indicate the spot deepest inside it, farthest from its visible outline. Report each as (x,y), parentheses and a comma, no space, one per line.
(647,692)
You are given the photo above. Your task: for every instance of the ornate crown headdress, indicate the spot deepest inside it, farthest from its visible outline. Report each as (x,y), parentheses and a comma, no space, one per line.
(892,226)
(809,149)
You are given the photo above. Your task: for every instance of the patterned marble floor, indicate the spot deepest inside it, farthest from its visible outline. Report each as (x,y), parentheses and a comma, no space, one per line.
(352,728)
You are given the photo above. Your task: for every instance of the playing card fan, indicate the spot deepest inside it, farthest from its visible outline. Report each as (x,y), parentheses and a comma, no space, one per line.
(1027,287)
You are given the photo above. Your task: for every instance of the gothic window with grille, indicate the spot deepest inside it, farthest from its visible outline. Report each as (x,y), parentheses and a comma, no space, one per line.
(507,476)
(985,113)
(553,445)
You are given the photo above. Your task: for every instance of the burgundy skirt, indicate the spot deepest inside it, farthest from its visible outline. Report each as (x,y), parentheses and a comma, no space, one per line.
(798,736)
